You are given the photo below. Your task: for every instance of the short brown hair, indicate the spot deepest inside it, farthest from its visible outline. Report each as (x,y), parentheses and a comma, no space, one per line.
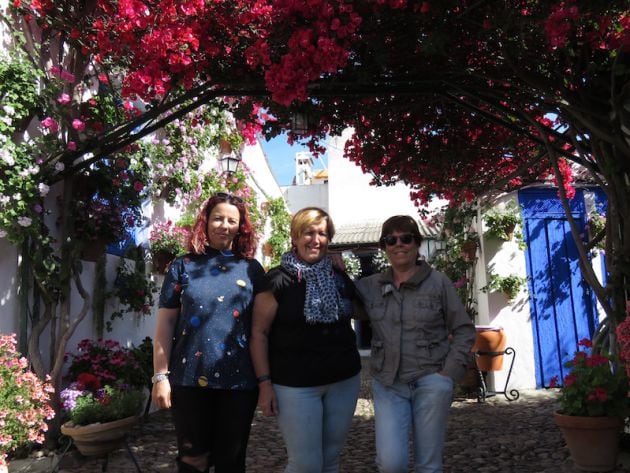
(309,216)
(400,223)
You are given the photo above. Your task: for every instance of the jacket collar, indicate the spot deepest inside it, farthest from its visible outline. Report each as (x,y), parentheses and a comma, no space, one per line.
(387,278)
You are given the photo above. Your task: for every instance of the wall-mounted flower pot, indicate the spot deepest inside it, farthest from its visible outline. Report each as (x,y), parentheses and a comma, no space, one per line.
(160,261)
(93,250)
(267,249)
(490,342)
(469,250)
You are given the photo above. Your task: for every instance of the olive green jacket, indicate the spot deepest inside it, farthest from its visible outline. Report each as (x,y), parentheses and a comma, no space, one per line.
(418,329)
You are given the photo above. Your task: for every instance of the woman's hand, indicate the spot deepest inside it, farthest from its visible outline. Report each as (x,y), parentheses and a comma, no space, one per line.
(161,394)
(267,401)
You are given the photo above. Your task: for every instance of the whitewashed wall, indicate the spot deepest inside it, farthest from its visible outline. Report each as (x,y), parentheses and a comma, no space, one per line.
(352,198)
(505,258)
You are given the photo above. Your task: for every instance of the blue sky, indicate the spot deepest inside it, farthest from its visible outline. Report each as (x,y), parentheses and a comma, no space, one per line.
(281,158)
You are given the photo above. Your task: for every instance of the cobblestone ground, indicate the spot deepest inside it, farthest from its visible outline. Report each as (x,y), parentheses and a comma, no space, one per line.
(495,436)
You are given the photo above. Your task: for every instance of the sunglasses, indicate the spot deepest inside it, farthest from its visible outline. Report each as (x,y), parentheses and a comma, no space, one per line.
(391,240)
(229,197)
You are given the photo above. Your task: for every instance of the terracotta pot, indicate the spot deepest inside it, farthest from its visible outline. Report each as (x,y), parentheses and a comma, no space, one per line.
(93,250)
(267,249)
(493,340)
(469,250)
(99,439)
(225,147)
(160,261)
(592,441)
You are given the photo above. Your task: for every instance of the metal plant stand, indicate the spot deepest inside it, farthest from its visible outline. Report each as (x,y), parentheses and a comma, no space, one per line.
(512,394)
(105,457)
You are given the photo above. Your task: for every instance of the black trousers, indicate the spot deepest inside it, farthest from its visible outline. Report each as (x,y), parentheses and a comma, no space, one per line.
(214,421)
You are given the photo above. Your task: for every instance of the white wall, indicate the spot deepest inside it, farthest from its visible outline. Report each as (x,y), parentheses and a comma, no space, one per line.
(352,198)
(313,195)
(505,258)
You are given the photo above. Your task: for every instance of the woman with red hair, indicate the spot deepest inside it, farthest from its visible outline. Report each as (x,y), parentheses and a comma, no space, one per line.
(201,350)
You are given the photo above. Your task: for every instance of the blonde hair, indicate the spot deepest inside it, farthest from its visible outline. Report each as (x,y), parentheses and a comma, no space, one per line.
(308,216)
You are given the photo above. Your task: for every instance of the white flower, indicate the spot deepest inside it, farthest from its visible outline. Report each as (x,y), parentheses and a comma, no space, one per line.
(3,233)
(59,167)
(7,120)
(24,221)
(17,196)
(43,189)
(34,169)
(4,199)
(7,157)
(9,110)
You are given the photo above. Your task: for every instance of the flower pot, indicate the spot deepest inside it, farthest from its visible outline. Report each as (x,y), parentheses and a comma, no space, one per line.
(267,249)
(592,441)
(225,147)
(489,340)
(469,250)
(93,250)
(99,439)
(160,261)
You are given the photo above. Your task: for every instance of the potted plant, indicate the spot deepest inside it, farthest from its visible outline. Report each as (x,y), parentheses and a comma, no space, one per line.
(593,405)
(166,241)
(500,223)
(24,402)
(509,285)
(104,397)
(133,289)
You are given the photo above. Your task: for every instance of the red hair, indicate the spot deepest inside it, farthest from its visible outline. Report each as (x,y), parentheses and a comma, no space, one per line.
(244,243)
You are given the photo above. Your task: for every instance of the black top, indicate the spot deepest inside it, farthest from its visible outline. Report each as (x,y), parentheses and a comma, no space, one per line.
(214,293)
(303,354)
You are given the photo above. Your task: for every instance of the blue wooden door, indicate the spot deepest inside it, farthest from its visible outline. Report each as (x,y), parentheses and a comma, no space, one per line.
(562,309)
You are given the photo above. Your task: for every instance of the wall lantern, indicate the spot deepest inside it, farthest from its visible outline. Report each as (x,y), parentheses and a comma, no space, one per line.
(299,123)
(230,162)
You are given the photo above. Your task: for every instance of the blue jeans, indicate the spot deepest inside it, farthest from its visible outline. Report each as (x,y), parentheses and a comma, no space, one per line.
(314,422)
(421,406)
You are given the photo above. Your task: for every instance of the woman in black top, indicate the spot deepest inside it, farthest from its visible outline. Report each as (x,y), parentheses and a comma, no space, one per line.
(304,349)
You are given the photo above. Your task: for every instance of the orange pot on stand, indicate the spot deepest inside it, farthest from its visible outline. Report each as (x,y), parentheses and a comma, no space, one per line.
(489,347)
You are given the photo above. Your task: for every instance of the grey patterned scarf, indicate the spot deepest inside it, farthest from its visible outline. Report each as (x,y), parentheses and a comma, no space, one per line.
(322,304)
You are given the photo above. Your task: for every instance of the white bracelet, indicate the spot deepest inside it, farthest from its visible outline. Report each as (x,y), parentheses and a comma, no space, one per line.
(157,377)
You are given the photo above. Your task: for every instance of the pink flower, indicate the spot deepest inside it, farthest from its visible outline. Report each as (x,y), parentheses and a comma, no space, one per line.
(68,77)
(78,125)
(50,124)
(72,146)
(64,99)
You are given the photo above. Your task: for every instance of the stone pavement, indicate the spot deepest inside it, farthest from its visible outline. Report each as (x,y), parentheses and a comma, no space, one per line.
(495,436)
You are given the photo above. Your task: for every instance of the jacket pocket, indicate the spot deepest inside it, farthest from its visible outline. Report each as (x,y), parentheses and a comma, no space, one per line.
(376,310)
(430,354)
(377,355)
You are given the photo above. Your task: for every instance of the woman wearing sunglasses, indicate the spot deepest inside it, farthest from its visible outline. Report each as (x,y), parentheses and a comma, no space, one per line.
(304,349)
(421,339)
(201,355)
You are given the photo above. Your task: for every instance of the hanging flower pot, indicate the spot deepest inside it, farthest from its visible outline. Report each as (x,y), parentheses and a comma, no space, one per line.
(225,147)
(160,261)
(93,250)
(469,250)
(267,249)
